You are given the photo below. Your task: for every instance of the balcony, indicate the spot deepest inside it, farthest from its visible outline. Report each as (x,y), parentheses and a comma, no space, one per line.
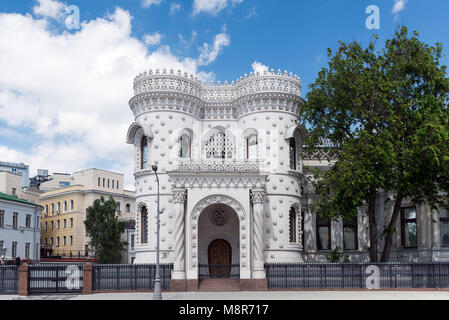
(210,165)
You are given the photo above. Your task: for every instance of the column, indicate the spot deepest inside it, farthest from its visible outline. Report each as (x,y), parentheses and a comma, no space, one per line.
(179,198)
(258,197)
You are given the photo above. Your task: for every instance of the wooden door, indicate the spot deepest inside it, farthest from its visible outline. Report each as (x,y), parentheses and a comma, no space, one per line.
(220,256)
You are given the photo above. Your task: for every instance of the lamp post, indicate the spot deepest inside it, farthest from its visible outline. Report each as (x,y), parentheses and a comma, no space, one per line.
(157,280)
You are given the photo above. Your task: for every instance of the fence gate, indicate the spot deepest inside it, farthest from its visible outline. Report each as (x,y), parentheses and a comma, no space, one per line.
(55,279)
(8,279)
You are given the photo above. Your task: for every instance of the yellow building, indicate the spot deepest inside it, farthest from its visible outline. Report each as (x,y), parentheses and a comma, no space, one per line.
(63,231)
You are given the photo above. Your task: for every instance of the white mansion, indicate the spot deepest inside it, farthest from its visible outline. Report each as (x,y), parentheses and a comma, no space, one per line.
(233,182)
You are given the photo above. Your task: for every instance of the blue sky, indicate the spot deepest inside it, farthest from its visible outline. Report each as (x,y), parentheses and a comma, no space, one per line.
(64,94)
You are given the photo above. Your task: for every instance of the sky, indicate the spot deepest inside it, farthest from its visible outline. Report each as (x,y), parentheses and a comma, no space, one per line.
(65,87)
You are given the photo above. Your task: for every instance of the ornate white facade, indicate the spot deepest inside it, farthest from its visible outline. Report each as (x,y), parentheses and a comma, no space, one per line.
(229,170)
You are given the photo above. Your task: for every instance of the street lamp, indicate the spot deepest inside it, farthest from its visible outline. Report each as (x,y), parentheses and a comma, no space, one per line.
(157,280)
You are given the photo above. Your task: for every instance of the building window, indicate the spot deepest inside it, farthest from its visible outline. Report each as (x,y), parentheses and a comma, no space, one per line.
(15,220)
(144,225)
(58,208)
(27,250)
(51,241)
(57,241)
(57,224)
(99,181)
(72,205)
(185,149)
(51,225)
(323,233)
(128,207)
(14,250)
(132,241)
(46,209)
(71,240)
(64,223)
(292,225)
(144,153)
(28,221)
(444,227)
(350,239)
(292,149)
(408,227)
(2,218)
(13,192)
(118,206)
(108,183)
(104,180)
(64,241)
(112,183)
(219,146)
(71,222)
(251,147)
(65,206)
(52,208)
(37,222)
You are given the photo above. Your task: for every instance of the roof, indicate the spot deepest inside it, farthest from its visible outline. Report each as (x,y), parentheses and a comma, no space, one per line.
(13,165)
(4,196)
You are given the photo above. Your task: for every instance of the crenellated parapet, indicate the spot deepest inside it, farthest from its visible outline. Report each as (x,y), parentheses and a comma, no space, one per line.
(176,91)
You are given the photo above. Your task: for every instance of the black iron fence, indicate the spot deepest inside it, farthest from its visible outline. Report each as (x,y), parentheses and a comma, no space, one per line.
(117,277)
(8,279)
(55,278)
(357,275)
(210,271)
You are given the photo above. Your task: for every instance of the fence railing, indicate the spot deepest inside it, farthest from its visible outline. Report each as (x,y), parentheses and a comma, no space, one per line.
(118,277)
(8,279)
(211,271)
(55,278)
(357,275)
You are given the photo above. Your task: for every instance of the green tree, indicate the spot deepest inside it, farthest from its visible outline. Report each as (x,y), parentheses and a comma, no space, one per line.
(388,112)
(105,230)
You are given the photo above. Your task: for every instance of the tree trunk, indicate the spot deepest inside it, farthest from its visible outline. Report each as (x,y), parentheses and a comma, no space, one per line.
(372,230)
(391,230)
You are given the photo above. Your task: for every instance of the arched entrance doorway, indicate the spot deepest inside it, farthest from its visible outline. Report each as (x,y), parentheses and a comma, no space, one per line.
(219,246)
(219,258)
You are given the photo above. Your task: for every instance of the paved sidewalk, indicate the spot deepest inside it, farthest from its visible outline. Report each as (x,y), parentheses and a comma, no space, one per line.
(265,295)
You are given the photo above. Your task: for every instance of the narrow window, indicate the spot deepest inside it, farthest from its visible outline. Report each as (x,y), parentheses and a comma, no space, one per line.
(71,222)
(251,147)
(144,225)
(98,181)
(28,221)
(108,183)
(71,204)
(144,153)
(185,150)
(323,233)
(128,207)
(71,240)
(14,250)
(2,218)
(27,250)
(408,227)
(118,206)
(292,225)
(292,148)
(444,227)
(350,240)
(104,180)
(65,206)
(15,220)
(112,183)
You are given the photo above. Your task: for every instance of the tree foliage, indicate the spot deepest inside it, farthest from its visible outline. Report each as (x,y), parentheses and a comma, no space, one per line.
(388,111)
(105,230)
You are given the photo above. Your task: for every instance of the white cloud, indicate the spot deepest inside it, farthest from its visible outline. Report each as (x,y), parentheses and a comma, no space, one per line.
(212,7)
(174,7)
(399,5)
(259,67)
(49,8)
(70,91)
(148,3)
(252,13)
(153,39)
(209,53)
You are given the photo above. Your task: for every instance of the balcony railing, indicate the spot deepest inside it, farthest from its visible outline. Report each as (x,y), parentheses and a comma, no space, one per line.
(218,165)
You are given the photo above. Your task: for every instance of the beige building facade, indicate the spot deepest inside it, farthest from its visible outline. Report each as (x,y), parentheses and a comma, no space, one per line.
(63,231)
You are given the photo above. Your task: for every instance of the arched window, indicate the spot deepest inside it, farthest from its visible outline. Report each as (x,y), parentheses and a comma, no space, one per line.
(219,146)
(292,225)
(292,150)
(98,181)
(251,147)
(185,150)
(144,225)
(144,153)
(128,207)
(65,206)
(108,183)
(118,206)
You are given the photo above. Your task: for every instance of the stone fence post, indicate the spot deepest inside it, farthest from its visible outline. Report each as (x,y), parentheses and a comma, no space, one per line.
(23,280)
(88,270)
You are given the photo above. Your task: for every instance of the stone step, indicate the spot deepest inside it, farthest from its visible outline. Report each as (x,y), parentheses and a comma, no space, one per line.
(219,285)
